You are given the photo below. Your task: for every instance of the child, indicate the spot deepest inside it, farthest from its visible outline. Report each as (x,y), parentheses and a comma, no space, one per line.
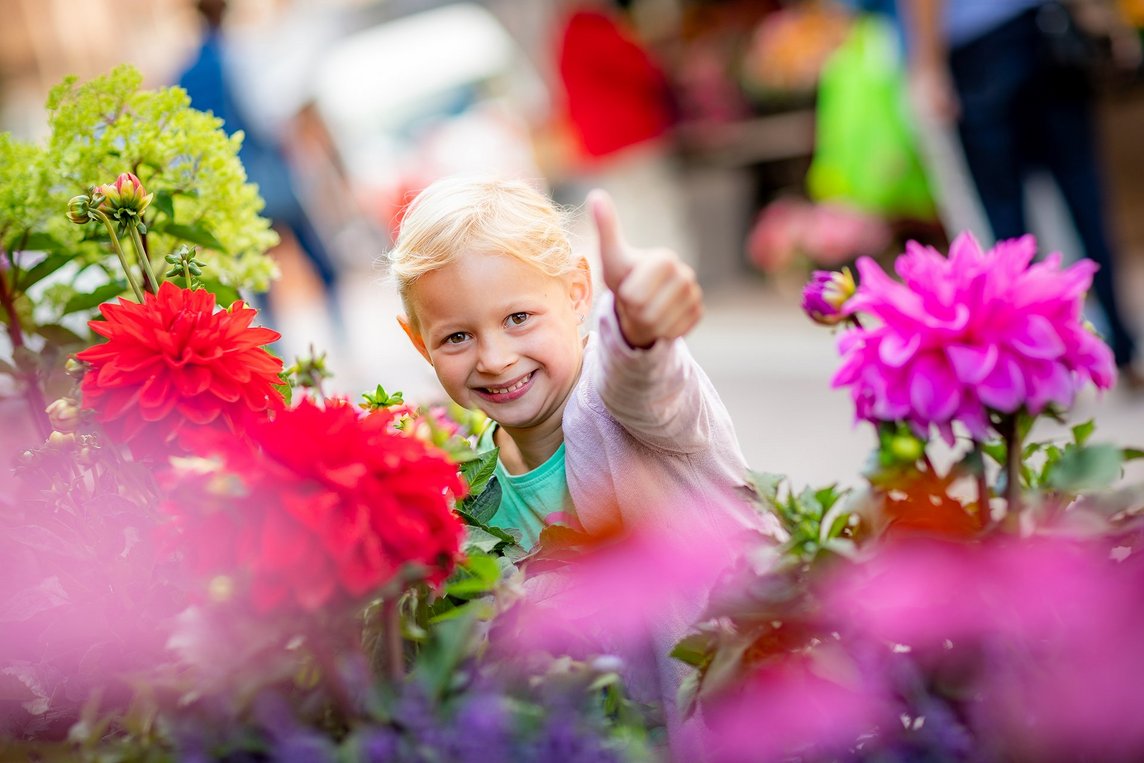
(615,429)
(619,428)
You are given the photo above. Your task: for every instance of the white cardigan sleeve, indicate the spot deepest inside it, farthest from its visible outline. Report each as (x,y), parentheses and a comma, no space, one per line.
(659,394)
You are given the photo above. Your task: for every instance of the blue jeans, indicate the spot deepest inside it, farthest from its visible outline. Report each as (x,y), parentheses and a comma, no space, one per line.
(1020,111)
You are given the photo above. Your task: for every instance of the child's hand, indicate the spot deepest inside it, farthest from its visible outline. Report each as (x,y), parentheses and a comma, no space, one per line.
(657,295)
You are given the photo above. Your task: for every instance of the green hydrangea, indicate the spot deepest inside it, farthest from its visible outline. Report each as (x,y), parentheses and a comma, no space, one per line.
(109,125)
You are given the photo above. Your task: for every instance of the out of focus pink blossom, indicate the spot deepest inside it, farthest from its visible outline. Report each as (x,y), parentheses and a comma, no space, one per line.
(1052,626)
(829,235)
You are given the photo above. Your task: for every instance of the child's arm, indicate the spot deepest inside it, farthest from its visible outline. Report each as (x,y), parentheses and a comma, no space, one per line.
(648,381)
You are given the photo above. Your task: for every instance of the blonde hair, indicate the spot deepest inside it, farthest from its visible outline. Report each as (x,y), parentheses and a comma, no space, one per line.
(480,213)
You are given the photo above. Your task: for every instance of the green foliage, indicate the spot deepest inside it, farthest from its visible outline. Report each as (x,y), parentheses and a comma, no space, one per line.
(108,125)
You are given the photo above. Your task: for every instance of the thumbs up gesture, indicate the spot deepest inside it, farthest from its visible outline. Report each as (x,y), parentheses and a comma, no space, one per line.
(657,295)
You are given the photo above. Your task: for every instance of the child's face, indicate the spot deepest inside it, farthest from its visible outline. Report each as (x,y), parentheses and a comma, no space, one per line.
(501,335)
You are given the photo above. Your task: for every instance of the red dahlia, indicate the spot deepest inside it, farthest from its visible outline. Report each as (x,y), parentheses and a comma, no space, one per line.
(174,363)
(321,507)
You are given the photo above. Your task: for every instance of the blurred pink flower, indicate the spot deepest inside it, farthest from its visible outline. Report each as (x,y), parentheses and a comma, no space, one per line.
(828,235)
(777,235)
(1050,626)
(973,332)
(804,707)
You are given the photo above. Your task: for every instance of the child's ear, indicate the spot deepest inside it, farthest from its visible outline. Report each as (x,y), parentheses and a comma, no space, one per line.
(414,337)
(580,287)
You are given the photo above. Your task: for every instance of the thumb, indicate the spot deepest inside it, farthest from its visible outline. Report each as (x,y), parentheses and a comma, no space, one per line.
(615,259)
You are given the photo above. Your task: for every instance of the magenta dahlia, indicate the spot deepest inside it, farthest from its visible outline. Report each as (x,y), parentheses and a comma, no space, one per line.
(976,332)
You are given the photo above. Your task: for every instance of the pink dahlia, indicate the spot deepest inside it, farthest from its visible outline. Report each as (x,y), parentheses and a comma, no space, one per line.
(968,334)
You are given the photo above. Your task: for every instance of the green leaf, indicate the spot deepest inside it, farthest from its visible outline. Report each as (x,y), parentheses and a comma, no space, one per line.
(483,507)
(60,336)
(694,649)
(164,202)
(766,485)
(476,577)
(1132,454)
(103,294)
(477,472)
(196,234)
(995,450)
(39,241)
(225,295)
(43,269)
(437,663)
(480,539)
(1082,470)
(472,521)
(1081,432)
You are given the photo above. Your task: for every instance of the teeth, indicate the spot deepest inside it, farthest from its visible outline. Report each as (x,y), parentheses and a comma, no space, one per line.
(506,390)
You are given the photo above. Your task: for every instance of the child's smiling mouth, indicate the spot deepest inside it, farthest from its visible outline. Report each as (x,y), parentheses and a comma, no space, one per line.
(508,392)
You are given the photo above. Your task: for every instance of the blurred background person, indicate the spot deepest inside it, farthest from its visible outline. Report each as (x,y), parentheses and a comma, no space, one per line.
(1011,73)
(210,83)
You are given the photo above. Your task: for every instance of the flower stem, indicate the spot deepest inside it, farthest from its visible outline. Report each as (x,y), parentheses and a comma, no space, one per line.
(391,637)
(1011,433)
(144,260)
(122,257)
(32,393)
(984,515)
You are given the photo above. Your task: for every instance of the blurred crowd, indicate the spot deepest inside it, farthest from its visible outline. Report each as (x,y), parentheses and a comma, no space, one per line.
(766,135)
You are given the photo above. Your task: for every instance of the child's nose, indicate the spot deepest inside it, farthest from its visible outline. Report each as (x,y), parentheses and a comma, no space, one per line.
(495,356)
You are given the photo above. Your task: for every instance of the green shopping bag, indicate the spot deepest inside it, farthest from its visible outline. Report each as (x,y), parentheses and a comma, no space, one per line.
(865,150)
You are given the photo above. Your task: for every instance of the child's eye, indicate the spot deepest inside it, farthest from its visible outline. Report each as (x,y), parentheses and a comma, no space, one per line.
(517,318)
(455,338)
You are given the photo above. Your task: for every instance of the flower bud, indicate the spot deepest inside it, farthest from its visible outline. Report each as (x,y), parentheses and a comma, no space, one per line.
(75,368)
(906,448)
(79,208)
(126,193)
(63,414)
(61,440)
(825,294)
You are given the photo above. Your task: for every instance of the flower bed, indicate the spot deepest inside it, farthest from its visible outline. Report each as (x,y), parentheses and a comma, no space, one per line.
(210,559)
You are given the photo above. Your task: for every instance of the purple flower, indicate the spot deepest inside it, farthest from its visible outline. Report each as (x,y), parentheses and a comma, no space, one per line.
(976,332)
(825,294)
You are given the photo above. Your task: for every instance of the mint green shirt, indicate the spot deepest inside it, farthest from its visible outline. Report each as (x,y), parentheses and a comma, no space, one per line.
(533,500)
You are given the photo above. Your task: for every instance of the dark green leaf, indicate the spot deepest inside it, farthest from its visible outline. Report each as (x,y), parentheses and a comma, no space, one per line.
(483,507)
(1081,470)
(1131,454)
(103,294)
(477,472)
(196,234)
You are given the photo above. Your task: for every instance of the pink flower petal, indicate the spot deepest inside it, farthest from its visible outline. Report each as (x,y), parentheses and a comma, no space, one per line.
(1004,388)
(972,364)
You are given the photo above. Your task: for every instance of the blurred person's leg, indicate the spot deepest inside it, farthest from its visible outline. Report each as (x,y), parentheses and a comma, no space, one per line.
(1069,143)
(990,74)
